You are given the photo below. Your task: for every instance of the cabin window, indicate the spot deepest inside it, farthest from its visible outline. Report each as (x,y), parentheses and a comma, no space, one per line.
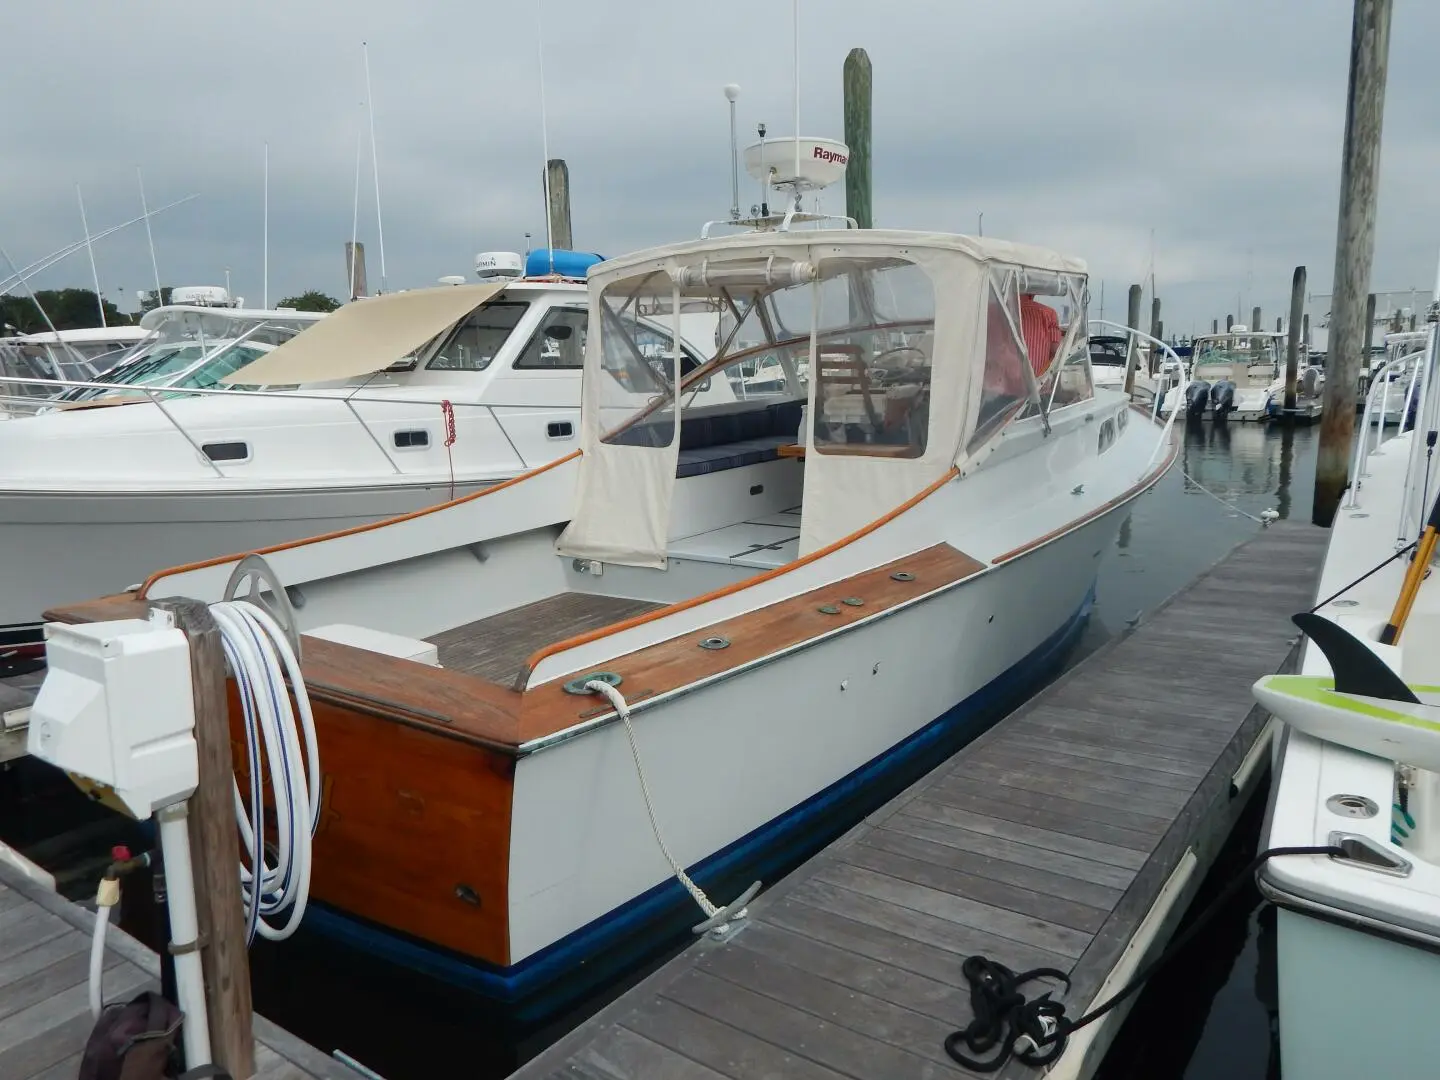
(412,439)
(1107,435)
(227,451)
(475,339)
(559,343)
(875,322)
(1004,386)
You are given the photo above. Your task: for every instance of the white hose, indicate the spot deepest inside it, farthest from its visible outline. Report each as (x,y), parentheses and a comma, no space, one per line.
(260,656)
(97,958)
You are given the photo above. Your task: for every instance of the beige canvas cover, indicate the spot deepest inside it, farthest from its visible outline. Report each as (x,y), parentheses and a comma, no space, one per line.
(365,336)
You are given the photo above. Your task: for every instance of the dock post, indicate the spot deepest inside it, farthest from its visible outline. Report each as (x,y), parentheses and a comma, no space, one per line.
(1305,330)
(1229,322)
(213,849)
(1255,319)
(1132,320)
(1292,344)
(355,269)
(856,78)
(1214,326)
(1354,250)
(1279,324)
(557,192)
(1155,328)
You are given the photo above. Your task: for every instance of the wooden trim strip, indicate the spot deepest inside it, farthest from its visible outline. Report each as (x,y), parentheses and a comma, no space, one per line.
(355,529)
(1070,526)
(731,589)
(776,629)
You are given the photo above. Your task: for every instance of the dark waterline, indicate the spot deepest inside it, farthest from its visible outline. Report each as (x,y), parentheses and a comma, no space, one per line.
(1203,1019)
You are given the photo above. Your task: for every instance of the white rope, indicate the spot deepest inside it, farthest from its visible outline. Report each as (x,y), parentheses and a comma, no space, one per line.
(260,655)
(1225,502)
(622,709)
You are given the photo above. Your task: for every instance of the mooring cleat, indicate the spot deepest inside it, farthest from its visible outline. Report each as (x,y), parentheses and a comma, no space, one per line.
(719,924)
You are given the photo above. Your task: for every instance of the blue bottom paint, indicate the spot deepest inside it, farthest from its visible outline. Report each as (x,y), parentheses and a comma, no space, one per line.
(597,953)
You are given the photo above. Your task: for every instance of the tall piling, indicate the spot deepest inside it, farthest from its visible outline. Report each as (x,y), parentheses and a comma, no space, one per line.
(1292,344)
(856,79)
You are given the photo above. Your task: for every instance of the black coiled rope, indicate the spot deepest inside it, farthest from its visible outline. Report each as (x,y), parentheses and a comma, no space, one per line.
(1006,1024)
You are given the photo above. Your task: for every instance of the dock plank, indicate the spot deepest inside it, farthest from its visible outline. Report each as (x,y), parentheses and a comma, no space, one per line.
(1045,842)
(45,997)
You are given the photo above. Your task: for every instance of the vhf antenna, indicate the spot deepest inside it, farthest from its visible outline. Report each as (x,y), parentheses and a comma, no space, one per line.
(764,183)
(732,92)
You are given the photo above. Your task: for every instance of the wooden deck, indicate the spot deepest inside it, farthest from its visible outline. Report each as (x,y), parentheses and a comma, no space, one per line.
(497,648)
(44,997)
(1073,835)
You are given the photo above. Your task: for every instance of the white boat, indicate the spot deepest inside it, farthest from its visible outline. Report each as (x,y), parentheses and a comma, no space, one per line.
(61,355)
(388,405)
(1357,769)
(798,614)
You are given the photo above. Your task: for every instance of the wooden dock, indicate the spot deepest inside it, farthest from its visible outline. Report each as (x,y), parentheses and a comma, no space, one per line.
(1072,835)
(44,998)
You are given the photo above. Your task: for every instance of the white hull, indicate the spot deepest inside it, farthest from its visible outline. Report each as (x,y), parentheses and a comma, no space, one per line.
(61,548)
(792,728)
(1353,1004)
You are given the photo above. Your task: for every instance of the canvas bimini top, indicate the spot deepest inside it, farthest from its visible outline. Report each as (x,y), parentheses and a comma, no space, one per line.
(911,351)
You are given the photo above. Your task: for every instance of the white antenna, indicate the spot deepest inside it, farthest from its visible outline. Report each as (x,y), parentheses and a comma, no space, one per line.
(155,266)
(265,239)
(732,92)
(374,164)
(795,10)
(90,248)
(355,212)
(544,132)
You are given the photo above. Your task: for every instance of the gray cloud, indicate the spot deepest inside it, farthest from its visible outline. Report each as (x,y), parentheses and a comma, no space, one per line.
(1078,126)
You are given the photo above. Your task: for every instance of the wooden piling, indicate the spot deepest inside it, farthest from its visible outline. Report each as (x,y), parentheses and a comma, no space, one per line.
(1292,345)
(1132,320)
(1229,322)
(1214,326)
(1354,250)
(1305,330)
(557,175)
(1155,327)
(1255,319)
(213,850)
(856,78)
(355,270)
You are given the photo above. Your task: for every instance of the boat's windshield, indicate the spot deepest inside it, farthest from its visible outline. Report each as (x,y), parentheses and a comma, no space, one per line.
(194,350)
(1238,351)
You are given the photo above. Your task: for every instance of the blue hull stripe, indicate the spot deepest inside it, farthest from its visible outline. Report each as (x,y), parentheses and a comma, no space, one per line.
(650,922)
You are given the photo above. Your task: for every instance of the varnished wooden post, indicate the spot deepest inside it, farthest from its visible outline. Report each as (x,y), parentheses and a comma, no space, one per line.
(856,80)
(213,849)
(1354,250)
(557,175)
(1292,344)
(1132,320)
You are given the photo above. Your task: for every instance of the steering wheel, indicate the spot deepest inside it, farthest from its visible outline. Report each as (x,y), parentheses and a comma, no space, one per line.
(897,351)
(251,573)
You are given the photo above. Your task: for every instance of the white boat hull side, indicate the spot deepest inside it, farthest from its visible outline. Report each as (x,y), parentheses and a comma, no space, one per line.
(64,548)
(1354,1004)
(731,756)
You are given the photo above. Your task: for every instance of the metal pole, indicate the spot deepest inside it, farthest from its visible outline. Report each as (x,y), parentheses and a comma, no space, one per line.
(856,80)
(1354,250)
(1292,345)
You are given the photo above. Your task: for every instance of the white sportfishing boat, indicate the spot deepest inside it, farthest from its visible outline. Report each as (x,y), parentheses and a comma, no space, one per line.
(1240,375)
(386,406)
(1358,771)
(49,357)
(790,604)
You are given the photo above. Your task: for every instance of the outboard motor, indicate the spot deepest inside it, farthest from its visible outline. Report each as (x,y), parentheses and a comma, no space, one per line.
(1222,398)
(1197,396)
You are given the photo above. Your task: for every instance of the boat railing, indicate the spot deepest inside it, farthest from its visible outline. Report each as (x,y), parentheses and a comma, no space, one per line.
(20,406)
(1368,443)
(1162,386)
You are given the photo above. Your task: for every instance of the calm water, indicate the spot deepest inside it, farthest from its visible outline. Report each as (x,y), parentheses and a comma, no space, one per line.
(1205,1019)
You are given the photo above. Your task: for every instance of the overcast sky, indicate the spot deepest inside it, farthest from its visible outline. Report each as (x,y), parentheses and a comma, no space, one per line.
(1080,126)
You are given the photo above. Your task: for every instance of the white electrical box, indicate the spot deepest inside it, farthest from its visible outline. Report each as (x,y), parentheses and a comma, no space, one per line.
(117,708)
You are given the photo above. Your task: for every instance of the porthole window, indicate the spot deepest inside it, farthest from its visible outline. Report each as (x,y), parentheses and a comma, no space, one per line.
(412,439)
(227,451)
